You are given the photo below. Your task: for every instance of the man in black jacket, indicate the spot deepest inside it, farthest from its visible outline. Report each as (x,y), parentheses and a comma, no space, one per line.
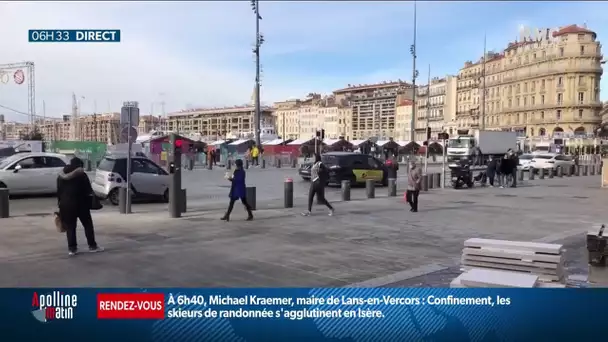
(514,164)
(74,196)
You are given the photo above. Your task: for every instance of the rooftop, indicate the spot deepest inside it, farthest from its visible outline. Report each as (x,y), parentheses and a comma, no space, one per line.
(363,87)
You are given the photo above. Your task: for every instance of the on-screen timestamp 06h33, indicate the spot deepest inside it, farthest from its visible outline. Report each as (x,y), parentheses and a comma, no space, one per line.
(73,36)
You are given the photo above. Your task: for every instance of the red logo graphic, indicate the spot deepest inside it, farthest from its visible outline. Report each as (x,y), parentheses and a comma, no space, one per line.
(19,77)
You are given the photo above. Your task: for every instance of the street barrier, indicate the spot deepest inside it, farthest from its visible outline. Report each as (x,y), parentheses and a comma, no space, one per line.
(251,196)
(345,189)
(560,172)
(541,174)
(263,163)
(437,180)
(425,183)
(122,201)
(568,171)
(288,202)
(531,173)
(4,203)
(392,187)
(577,170)
(520,175)
(551,172)
(585,170)
(370,188)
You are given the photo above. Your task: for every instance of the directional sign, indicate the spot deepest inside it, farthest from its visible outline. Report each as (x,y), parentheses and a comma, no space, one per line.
(127,111)
(125,137)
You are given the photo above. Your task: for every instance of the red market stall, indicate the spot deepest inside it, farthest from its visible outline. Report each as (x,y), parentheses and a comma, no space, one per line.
(160,148)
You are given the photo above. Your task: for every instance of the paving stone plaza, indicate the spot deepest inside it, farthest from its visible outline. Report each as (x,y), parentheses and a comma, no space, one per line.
(369,242)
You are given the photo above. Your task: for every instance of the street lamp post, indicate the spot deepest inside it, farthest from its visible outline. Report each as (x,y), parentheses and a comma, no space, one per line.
(259,40)
(414,76)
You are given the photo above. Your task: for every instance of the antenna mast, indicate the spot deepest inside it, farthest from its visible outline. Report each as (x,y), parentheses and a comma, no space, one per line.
(483,94)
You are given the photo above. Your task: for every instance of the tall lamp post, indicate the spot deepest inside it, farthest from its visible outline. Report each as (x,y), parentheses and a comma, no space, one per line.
(414,76)
(259,40)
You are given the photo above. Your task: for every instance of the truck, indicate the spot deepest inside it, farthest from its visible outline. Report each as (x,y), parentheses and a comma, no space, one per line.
(480,143)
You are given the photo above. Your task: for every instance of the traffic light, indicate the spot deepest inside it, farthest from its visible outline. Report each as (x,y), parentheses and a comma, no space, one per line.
(178,145)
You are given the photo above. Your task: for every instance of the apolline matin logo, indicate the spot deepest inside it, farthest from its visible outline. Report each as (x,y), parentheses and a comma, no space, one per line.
(53,306)
(73,36)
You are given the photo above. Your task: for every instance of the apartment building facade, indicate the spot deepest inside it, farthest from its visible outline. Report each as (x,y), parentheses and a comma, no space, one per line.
(301,119)
(540,86)
(219,123)
(373,107)
(436,106)
(403,119)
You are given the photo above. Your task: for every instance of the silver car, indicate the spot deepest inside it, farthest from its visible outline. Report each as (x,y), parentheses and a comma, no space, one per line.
(148,180)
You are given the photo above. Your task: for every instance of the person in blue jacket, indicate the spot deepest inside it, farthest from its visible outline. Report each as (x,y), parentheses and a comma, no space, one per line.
(238,190)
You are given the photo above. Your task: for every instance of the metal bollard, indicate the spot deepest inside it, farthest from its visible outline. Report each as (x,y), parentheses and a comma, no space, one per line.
(541,174)
(263,163)
(599,169)
(551,173)
(560,172)
(4,203)
(250,195)
(425,182)
(531,173)
(585,169)
(87,165)
(210,165)
(592,170)
(246,164)
(229,164)
(278,163)
(577,170)
(520,175)
(392,187)
(370,188)
(429,180)
(294,163)
(437,180)
(288,200)
(183,201)
(190,164)
(345,189)
(122,201)
(568,171)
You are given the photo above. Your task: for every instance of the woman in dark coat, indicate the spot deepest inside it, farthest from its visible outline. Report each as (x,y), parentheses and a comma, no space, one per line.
(505,171)
(492,170)
(238,190)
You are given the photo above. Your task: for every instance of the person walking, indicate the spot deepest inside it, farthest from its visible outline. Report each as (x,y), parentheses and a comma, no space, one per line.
(255,153)
(238,190)
(318,177)
(74,198)
(492,170)
(505,171)
(514,161)
(414,181)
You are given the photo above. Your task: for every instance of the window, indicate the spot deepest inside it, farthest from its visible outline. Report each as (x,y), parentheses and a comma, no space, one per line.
(560,81)
(510,103)
(532,100)
(144,166)
(542,84)
(580,113)
(525,101)
(582,50)
(534,56)
(558,114)
(517,89)
(560,98)
(542,99)
(544,54)
(581,98)
(581,80)
(581,37)
(542,115)
(27,163)
(526,87)
(53,162)
(561,52)
(517,101)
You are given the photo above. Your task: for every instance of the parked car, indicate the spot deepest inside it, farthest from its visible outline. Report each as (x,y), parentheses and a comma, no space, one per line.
(32,172)
(524,162)
(148,180)
(551,161)
(355,167)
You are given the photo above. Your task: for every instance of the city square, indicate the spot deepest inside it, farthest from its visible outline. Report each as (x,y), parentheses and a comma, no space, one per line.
(369,242)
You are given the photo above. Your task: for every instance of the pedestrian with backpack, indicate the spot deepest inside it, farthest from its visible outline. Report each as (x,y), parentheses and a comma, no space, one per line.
(318,176)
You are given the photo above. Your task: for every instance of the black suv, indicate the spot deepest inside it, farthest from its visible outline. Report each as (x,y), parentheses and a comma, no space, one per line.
(355,167)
